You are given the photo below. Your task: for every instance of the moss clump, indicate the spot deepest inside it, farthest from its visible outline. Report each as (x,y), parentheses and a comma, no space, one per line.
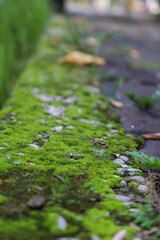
(47,135)
(132,184)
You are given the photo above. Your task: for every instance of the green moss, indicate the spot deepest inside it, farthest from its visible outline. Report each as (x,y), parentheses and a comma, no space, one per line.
(75,175)
(132,184)
(3,199)
(17,230)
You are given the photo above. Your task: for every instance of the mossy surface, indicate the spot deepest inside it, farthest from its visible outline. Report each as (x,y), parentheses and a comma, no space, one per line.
(59,110)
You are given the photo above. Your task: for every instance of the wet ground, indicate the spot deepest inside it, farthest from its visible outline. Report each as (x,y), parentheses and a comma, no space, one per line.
(133,54)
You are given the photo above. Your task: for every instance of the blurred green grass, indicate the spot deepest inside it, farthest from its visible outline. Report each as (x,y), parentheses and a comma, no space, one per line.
(21,23)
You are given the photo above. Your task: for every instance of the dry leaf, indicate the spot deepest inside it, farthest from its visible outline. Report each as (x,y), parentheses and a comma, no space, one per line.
(116,103)
(154,136)
(133,53)
(102,145)
(120,235)
(80,58)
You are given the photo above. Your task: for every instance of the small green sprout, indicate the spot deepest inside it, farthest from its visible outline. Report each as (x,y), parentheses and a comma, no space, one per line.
(146,160)
(145,217)
(142,101)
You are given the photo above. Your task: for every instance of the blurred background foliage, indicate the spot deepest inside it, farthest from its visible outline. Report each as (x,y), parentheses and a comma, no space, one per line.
(21,23)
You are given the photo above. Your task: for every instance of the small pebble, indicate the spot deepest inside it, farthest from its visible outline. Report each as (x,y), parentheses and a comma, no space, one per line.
(120,170)
(119,235)
(133,210)
(123,183)
(113,130)
(35,146)
(123,198)
(124,165)
(142,188)
(115,176)
(109,125)
(132,173)
(37,202)
(124,158)
(95,237)
(57,129)
(21,154)
(58,120)
(55,111)
(62,223)
(128,203)
(118,160)
(41,120)
(133,170)
(69,127)
(137,179)
(94,122)
(98,103)
(79,111)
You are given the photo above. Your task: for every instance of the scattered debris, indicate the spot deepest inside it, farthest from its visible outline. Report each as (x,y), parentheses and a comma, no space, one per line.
(116,104)
(123,198)
(80,58)
(154,136)
(102,145)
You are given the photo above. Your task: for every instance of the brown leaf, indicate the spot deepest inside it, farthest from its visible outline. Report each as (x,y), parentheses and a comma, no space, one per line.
(80,58)
(102,145)
(154,136)
(36,203)
(116,103)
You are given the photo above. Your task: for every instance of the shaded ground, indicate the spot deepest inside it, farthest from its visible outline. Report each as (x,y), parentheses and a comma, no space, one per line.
(134,54)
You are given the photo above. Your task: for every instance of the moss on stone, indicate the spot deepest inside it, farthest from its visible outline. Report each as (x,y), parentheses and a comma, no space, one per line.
(75,175)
